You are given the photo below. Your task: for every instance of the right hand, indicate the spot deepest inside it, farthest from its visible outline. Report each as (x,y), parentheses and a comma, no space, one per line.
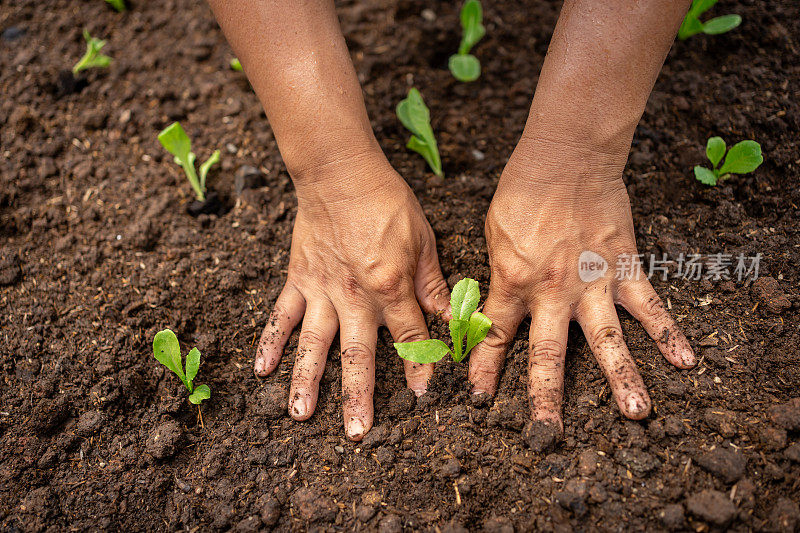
(363,255)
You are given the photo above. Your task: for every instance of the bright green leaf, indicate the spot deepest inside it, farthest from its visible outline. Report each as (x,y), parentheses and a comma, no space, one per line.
(743,157)
(458,330)
(426,351)
(192,364)
(201,392)
(174,139)
(415,116)
(690,26)
(705,176)
(236,64)
(464,67)
(119,5)
(471,24)
(464,299)
(701,6)
(206,166)
(479,325)
(722,24)
(92,58)
(715,149)
(167,351)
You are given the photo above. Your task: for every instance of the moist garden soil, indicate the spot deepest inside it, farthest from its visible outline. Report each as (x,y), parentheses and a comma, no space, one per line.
(98,253)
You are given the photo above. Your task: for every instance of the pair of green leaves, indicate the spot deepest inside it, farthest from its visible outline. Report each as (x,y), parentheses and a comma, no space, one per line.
(691,24)
(92,58)
(119,5)
(743,157)
(463,65)
(167,351)
(466,322)
(174,139)
(416,117)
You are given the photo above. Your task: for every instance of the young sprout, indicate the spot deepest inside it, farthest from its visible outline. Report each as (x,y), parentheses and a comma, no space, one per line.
(119,5)
(691,24)
(167,351)
(236,65)
(743,157)
(466,322)
(463,65)
(176,142)
(92,58)
(416,117)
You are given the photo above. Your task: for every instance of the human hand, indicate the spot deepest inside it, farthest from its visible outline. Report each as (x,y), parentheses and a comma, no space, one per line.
(363,255)
(545,213)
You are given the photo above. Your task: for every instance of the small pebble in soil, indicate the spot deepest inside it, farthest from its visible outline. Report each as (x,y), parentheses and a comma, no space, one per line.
(182,485)
(587,462)
(450,468)
(712,506)
(13,33)
(163,441)
(672,516)
(313,506)
(270,510)
(727,464)
(390,523)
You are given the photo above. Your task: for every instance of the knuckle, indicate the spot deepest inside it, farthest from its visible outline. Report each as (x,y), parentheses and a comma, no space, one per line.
(652,308)
(436,287)
(310,338)
(356,353)
(411,335)
(606,337)
(547,352)
(390,285)
(554,277)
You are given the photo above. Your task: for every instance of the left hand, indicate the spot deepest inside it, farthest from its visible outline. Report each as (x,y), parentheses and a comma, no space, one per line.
(545,213)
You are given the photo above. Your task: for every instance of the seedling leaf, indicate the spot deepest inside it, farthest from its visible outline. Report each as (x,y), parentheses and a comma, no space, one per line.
(92,58)
(192,364)
(722,24)
(236,64)
(705,176)
(425,351)
(479,325)
(715,149)
(701,6)
(743,157)
(464,299)
(119,5)
(471,24)
(167,351)
(416,117)
(201,392)
(464,67)
(174,139)
(206,166)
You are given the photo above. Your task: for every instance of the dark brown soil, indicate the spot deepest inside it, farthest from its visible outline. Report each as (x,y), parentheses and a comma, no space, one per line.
(98,253)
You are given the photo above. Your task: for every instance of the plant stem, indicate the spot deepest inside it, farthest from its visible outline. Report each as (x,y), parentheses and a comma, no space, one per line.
(191,174)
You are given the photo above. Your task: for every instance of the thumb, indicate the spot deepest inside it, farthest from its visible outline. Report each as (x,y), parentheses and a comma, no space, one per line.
(430,287)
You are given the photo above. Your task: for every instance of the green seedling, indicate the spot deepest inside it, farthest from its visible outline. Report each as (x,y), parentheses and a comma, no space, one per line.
(416,117)
(463,65)
(236,64)
(167,351)
(466,322)
(743,157)
(691,24)
(176,142)
(92,58)
(119,5)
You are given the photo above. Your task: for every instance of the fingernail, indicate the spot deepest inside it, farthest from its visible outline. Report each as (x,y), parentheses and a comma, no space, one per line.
(689,359)
(355,429)
(419,392)
(635,404)
(300,407)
